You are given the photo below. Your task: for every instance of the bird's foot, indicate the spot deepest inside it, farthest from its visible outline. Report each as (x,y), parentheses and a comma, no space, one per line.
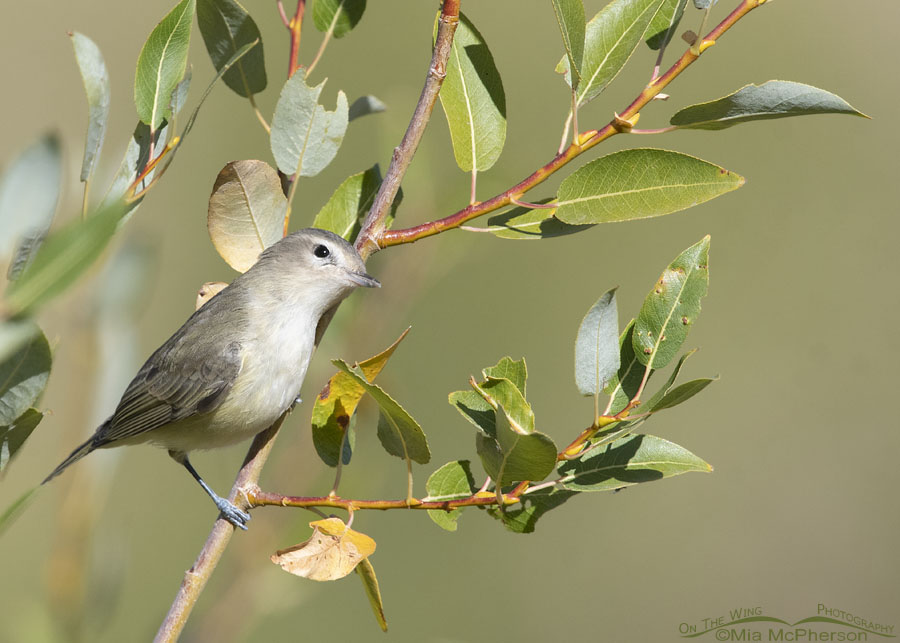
(232,514)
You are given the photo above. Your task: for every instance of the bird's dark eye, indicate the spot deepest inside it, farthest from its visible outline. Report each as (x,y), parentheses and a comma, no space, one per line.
(321,251)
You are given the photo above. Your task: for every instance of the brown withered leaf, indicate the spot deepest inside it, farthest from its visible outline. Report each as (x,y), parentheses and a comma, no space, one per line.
(332,552)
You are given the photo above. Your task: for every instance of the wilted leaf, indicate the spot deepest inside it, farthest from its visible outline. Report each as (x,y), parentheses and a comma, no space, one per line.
(349,203)
(305,138)
(453,481)
(161,64)
(207,291)
(610,38)
(665,23)
(571,19)
(246,212)
(343,14)
(64,256)
(597,346)
(23,376)
(629,461)
(363,106)
(672,307)
(29,191)
(96,87)
(473,100)
(773,99)
(336,404)
(640,183)
(399,433)
(13,436)
(370,584)
(226,27)
(332,552)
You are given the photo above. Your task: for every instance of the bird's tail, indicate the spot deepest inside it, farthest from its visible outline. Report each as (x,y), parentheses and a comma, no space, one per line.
(76,455)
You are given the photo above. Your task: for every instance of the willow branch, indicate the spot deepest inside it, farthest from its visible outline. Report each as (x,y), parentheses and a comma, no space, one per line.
(294,26)
(372,230)
(195,578)
(584,142)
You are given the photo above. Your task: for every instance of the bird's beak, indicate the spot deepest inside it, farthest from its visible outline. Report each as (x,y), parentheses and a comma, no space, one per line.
(364,279)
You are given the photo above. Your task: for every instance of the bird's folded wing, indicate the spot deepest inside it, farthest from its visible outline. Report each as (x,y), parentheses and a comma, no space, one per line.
(174,385)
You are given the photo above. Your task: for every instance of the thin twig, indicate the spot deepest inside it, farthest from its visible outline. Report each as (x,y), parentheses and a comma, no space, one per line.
(325,40)
(294,26)
(196,577)
(587,140)
(372,230)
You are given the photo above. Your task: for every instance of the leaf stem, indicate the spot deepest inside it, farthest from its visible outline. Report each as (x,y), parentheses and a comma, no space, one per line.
(587,140)
(661,130)
(369,239)
(294,25)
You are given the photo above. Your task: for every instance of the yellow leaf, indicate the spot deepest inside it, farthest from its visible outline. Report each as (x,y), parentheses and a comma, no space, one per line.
(332,552)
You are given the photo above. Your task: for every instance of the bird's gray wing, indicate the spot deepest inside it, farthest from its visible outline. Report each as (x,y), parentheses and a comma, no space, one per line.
(188,375)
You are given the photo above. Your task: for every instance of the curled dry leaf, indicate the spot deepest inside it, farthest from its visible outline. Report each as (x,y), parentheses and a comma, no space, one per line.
(209,290)
(332,552)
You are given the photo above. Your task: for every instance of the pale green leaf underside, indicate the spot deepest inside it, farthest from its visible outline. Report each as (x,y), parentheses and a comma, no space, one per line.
(772,99)
(640,183)
(597,346)
(96,87)
(23,376)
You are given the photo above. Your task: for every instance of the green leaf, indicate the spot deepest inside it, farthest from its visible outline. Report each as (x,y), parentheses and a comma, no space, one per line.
(366,573)
(610,38)
(246,212)
(96,87)
(640,183)
(624,385)
(772,99)
(343,14)
(528,223)
(672,306)
(11,513)
(521,518)
(180,93)
(683,393)
(473,100)
(226,27)
(453,481)
(23,376)
(14,333)
(29,192)
(365,105)
(629,461)
(571,19)
(507,368)
(513,454)
(502,392)
(334,411)
(305,138)
(650,404)
(161,64)
(13,436)
(597,346)
(664,24)
(399,433)
(349,204)
(66,254)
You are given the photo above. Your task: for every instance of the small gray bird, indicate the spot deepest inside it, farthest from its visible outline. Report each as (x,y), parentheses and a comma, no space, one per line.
(238,362)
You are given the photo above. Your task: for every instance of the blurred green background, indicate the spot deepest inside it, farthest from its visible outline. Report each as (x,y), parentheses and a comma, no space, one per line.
(800,323)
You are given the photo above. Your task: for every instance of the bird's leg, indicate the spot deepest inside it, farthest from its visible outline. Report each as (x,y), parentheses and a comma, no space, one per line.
(229,512)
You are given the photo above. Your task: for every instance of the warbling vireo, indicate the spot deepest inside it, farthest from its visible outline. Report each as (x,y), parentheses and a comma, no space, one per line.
(238,362)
